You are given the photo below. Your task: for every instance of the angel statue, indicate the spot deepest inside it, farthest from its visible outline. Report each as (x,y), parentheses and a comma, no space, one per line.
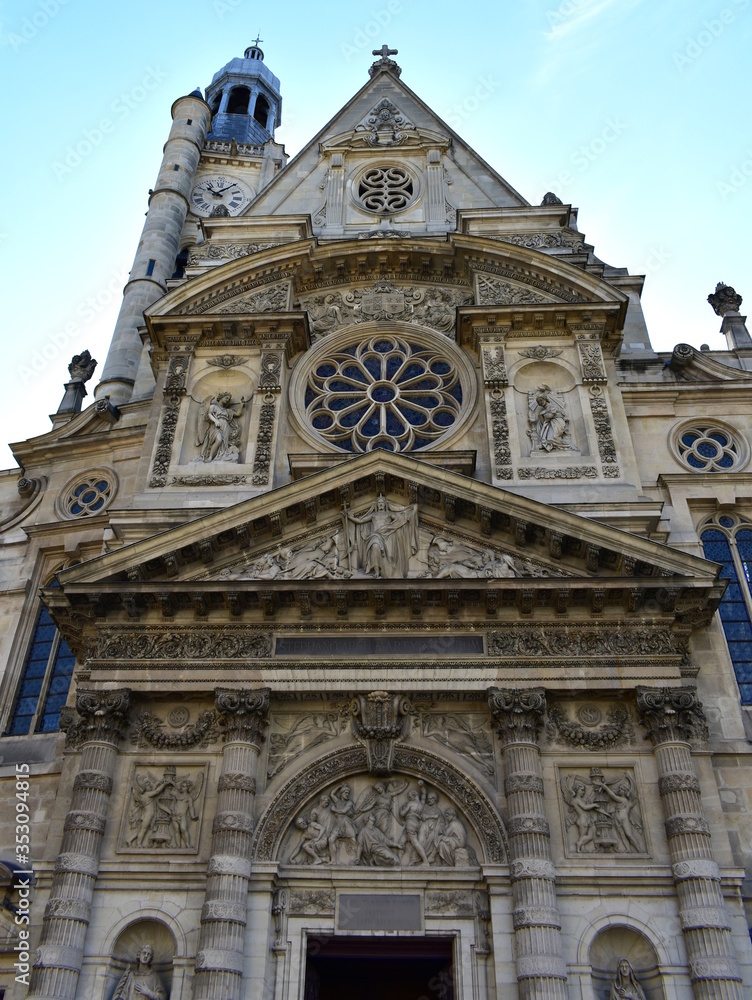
(140,983)
(549,423)
(218,431)
(625,985)
(144,812)
(583,812)
(183,811)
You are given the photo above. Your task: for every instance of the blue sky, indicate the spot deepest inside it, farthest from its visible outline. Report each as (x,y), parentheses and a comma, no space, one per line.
(636,111)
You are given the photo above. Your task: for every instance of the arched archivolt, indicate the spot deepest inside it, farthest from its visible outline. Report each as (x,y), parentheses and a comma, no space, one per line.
(470,799)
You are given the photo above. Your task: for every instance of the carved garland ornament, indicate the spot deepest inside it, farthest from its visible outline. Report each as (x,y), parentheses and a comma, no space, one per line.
(616,732)
(174,390)
(500,435)
(602,423)
(263,453)
(150,731)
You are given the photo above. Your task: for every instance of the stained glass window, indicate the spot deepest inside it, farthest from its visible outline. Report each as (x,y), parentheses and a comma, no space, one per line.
(45,681)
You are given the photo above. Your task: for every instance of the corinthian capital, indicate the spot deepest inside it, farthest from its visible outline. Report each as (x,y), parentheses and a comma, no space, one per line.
(671,715)
(243,714)
(517,714)
(98,716)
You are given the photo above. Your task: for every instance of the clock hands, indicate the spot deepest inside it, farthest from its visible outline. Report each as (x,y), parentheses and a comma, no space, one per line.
(221,191)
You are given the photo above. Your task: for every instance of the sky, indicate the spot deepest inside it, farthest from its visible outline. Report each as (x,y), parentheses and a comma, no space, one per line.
(635,111)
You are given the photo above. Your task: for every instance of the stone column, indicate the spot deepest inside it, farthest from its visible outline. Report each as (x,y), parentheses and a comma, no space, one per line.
(220,959)
(673,717)
(541,971)
(57,962)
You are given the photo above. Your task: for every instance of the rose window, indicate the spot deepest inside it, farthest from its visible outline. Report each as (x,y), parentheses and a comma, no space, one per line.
(708,449)
(87,495)
(384,392)
(386,189)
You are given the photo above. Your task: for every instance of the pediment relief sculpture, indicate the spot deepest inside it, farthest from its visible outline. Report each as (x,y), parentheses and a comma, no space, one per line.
(385,542)
(395,823)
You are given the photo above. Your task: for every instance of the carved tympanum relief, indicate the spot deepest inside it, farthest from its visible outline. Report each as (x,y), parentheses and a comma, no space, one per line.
(601,812)
(430,306)
(163,811)
(494,291)
(384,542)
(273,299)
(393,823)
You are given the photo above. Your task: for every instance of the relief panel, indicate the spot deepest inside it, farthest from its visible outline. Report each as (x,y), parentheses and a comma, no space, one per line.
(163,809)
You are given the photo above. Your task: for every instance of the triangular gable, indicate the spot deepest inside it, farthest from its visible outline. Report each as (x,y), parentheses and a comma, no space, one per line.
(299,183)
(544,549)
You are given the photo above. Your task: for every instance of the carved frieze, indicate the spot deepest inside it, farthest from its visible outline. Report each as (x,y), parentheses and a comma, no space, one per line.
(399,823)
(186,643)
(311,902)
(602,424)
(494,291)
(210,251)
(545,241)
(539,353)
(601,811)
(264,440)
(517,714)
(457,903)
(590,731)
(500,436)
(291,735)
(556,641)
(177,733)
(163,810)
(174,390)
(243,714)
(227,361)
(273,299)
(591,357)
(568,472)
(494,367)
(209,480)
(384,125)
(466,733)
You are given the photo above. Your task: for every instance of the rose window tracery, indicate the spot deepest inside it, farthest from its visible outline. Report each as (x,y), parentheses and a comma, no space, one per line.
(386,189)
(708,448)
(385,392)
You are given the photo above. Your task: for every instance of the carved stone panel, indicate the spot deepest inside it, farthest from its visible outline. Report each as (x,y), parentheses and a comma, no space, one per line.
(163,809)
(601,812)
(290,735)
(395,823)
(588,726)
(468,734)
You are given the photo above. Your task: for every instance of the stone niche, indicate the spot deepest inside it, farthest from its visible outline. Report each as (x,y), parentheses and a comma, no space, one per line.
(548,413)
(215,435)
(615,944)
(394,822)
(127,947)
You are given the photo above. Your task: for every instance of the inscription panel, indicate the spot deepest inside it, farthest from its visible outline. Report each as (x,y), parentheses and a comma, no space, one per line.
(377,912)
(379,645)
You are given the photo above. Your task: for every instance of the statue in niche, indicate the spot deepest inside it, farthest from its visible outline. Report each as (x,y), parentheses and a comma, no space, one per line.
(162,811)
(548,420)
(218,432)
(625,985)
(390,825)
(141,982)
(450,559)
(381,541)
(603,813)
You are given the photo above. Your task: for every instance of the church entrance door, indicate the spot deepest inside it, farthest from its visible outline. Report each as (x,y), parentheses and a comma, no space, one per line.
(379,969)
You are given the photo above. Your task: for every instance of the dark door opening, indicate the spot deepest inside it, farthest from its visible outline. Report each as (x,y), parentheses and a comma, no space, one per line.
(379,969)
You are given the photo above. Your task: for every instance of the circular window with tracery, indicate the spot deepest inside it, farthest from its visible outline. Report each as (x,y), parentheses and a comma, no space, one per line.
(385,190)
(709,447)
(388,391)
(87,495)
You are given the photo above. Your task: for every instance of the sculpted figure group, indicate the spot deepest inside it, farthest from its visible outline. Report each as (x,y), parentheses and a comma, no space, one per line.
(603,813)
(390,825)
(162,811)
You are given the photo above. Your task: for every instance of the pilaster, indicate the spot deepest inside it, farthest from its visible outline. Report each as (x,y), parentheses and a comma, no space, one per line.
(97,730)
(541,971)
(220,959)
(673,718)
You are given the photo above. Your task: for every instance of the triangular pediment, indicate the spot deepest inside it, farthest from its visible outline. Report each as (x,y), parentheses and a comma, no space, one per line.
(389,524)
(368,122)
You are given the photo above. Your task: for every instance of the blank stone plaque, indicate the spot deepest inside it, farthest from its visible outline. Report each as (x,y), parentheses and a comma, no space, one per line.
(361,912)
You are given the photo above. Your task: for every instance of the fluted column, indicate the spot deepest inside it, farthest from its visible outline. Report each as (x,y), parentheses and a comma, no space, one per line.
(673,718)
(541,971)
(220,958)
(96,729)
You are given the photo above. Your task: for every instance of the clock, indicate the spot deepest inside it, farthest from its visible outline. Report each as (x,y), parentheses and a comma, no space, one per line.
(215,197)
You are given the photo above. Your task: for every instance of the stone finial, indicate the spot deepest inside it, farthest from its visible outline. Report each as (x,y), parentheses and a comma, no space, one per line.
(385,63)
(725,299)
(549,198)
(82,366)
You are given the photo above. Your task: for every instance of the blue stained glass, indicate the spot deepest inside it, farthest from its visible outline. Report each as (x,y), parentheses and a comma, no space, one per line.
(89,497)
(746,692)
(393,365)
(456,391)
(31,686)
(415,417)
(322,421)
(738,630)
(326,371)
(20,724)
(441,367)
(373,366)
(383,445)
(383,346)
(383,394)
(726,462)
(342,402)
(338,385)
(421,442)
(372,425)
(424,384)
(720,438)
(354,373)
(413,370)
(689,439)
(733,610)
(79,490)
(394,425)
(310,395)
(695,462)
(103,486)
(97,505)
(351,419)
(443,418)
(707,450)
(727,522)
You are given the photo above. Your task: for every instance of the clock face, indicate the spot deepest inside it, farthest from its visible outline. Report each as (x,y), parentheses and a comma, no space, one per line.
(219,196)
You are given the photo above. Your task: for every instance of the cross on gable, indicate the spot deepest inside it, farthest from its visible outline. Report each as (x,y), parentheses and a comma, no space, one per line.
(385,52)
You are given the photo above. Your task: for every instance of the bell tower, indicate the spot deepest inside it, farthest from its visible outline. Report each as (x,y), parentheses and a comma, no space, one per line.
(245,100)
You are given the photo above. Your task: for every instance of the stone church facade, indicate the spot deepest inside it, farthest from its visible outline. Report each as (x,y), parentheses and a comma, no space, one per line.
(388,608)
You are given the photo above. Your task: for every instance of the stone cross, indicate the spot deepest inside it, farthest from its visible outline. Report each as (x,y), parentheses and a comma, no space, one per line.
(385,52)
